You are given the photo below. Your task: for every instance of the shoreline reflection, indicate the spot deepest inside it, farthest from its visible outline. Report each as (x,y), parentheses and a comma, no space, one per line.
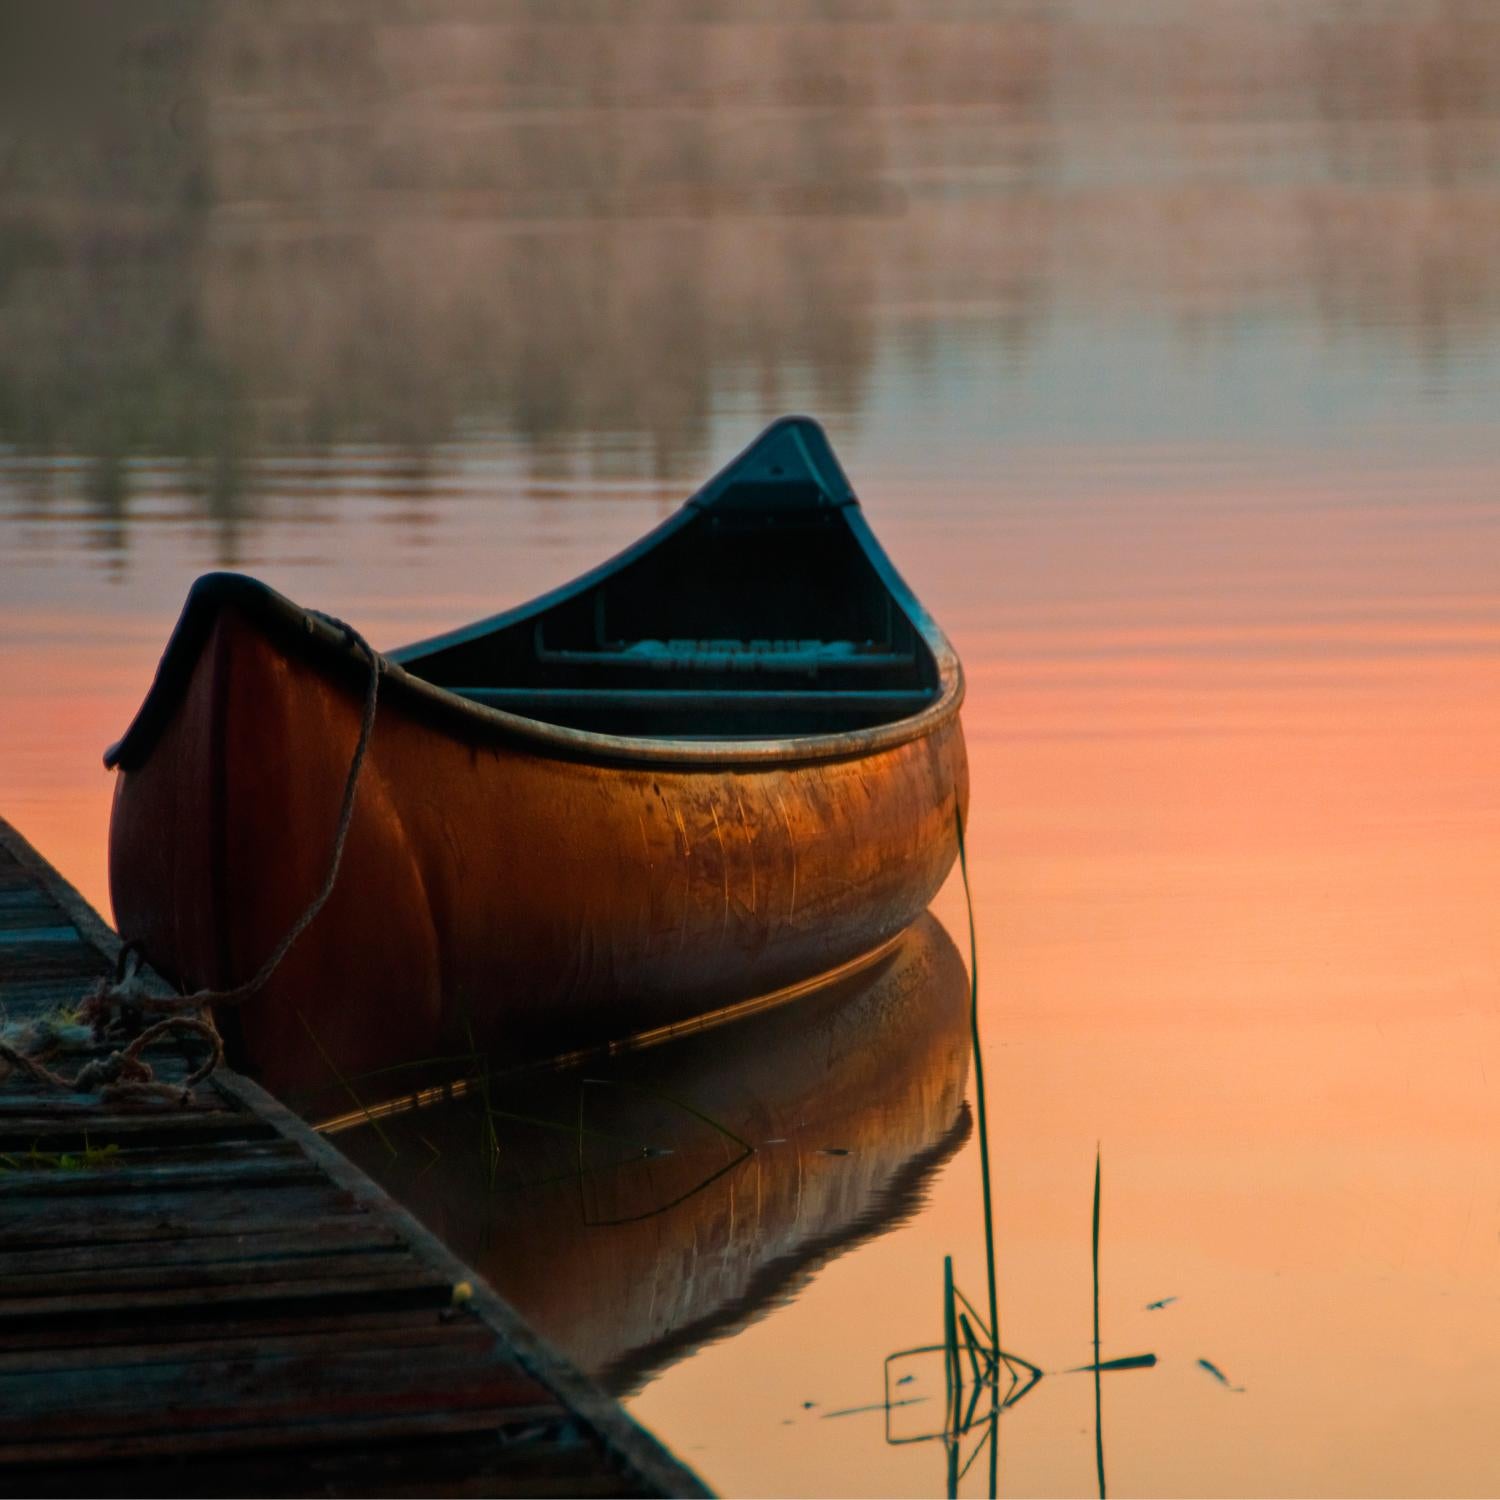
(225,240)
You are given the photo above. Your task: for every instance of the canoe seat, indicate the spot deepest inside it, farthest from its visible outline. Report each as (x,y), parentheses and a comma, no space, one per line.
(731,655)
(545,703)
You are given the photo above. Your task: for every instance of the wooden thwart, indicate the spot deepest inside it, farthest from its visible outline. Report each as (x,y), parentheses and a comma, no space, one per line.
(210,1300)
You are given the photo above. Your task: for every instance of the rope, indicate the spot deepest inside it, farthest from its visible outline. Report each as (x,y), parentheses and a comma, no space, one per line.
(116,1007)
(257,982)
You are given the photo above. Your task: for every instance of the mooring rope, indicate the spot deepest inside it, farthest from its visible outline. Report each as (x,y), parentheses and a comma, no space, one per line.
(114,1008)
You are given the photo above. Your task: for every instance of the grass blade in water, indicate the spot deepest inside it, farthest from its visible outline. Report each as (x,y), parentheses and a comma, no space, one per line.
(1098,1394)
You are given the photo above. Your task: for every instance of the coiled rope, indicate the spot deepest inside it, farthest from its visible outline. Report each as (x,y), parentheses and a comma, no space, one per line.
(115,1008)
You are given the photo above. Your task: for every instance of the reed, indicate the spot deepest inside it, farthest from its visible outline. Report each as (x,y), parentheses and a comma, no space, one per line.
(672,1099)
(442,1060)
(1098,1395)
(745,1152)
(952,1370)
(1125,1362)
(347,1086)
(489,1141)
(643,1147)
(967,1336)
(89,1159)
(979,1095)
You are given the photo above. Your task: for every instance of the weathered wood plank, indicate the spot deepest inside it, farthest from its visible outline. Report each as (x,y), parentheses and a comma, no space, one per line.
(31,914)
(184,1276)
(411,1285)
(27,999)
(50,934)
(559,1460)
(105,1220)
(319,1212)
(345,1337)
(262,1243)
(19,1101)
(168,1062)
(50,953)
(241,1172)
(54,1132)
(252,1391)
(111,1156)
(25,894)
(281,1431)
(408,1281)
(245,1330)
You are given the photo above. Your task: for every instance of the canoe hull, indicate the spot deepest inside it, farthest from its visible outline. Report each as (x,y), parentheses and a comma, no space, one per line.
(493,894)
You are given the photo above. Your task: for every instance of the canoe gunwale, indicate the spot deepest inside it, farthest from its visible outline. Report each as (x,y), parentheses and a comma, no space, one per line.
(304,634)
(313,638)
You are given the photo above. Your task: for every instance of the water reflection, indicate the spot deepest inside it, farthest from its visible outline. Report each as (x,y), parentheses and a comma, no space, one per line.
(643,1205)
(224,236)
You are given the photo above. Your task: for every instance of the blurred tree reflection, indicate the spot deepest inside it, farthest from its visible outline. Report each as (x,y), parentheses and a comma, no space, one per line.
(230,230)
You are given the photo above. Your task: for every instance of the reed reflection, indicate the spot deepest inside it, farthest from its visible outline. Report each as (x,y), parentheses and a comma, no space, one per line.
(634,1208)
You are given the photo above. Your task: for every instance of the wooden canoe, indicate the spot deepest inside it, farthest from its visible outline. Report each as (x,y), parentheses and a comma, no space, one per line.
(722,763)
(673,1235)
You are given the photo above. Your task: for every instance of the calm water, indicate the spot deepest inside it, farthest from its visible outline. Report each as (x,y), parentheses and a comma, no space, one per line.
(1163,345)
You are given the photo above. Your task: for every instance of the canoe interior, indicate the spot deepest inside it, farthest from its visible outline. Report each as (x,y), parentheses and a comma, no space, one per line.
(744,620)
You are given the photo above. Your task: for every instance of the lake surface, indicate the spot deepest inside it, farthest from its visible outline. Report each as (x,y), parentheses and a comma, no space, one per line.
(1162,343)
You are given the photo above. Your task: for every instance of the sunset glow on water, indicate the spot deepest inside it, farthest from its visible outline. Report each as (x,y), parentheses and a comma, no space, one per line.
(1164,355)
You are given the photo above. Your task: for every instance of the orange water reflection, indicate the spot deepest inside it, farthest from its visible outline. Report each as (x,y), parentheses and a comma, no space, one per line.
(1235,883)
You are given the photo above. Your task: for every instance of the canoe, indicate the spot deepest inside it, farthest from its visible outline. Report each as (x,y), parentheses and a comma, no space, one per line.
(721,764)
(672,1235)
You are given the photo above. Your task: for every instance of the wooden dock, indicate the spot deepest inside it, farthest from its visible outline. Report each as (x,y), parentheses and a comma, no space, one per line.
(210,1300)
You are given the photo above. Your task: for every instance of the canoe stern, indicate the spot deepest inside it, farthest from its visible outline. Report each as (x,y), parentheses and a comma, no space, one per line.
(221,834)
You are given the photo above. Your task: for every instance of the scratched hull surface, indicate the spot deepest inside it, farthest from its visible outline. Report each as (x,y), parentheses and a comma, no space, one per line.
(511,884)
(851,1101)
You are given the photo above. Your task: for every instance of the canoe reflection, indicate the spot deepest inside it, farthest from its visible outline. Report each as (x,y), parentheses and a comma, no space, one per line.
(636,1207)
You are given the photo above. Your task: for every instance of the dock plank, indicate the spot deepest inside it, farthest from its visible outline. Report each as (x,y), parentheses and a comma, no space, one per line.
(247,1330)
(186,1275)
(344,1338)
(105,1221)
(209,1299)
(260,1244)
(97,1127)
